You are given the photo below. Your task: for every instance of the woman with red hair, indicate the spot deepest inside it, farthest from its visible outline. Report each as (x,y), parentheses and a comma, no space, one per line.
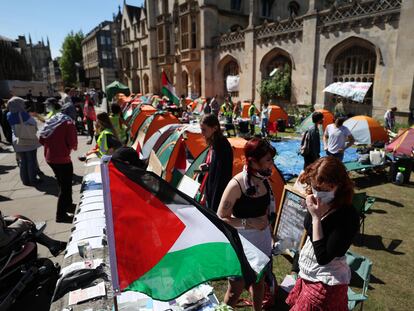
(245,206)
(331,224)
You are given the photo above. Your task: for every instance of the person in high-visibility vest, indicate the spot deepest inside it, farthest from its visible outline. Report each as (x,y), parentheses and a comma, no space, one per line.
(119,123)
(107,141)
(252,117)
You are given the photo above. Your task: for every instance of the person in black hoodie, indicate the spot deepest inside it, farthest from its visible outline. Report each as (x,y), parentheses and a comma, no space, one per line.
(219,162)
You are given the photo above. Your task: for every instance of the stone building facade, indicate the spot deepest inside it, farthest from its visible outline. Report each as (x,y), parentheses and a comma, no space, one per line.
(38,55)
(135,51)
(199,43)
(99,55)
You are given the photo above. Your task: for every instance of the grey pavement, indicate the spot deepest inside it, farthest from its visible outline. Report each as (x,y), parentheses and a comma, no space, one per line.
(39,204)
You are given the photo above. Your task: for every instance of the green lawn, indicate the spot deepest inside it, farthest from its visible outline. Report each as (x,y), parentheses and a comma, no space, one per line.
(388,242)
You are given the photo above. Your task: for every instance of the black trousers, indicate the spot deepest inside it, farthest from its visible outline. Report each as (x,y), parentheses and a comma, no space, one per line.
(309,159)
(89,124)
(64,175)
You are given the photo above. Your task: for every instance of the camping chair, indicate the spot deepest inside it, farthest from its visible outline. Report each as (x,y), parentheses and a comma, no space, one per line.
(361,267)
(362,203)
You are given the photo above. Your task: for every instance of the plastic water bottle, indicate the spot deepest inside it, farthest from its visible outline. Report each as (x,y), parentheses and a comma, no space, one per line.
(89,252)
(399,178)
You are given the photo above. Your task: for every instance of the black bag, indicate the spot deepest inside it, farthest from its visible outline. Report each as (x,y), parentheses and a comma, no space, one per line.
(305,144)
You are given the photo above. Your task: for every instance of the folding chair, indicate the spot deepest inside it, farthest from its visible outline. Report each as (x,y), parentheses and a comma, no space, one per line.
(360,266)
(362,203)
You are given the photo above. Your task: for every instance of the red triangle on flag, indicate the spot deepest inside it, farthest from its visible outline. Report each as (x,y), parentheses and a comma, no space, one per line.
(145,229)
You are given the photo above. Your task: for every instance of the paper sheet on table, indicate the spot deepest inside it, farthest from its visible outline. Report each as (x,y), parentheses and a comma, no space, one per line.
(91,207)
(99,222)
(80,265)
(87,293)
(72,248)
(134,301)
(288,283)
(95,176)
(88,215)
(86,233)
(91,193)
(90,200)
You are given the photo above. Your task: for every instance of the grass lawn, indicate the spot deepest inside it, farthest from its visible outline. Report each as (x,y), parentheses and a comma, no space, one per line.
(388,241)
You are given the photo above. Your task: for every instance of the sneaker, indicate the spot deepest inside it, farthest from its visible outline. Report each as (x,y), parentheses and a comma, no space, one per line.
(89,142)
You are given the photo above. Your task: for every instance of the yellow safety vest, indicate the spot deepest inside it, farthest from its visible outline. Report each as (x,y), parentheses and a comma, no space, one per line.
(103,142)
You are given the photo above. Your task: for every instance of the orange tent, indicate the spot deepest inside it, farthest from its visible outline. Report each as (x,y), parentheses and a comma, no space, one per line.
(366,130)
(245,110)
(276,112)
(276,180)
(306,124)
(196,143)
(152,124)
(141,114)
(171,153)
(328,117)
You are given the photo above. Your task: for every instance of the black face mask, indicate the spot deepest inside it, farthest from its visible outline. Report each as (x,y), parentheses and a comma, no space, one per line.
(265,173)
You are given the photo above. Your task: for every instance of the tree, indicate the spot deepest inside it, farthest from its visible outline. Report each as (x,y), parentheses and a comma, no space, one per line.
(71,54)
(278,86)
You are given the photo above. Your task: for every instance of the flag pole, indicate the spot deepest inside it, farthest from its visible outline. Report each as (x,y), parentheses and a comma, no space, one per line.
(110,226)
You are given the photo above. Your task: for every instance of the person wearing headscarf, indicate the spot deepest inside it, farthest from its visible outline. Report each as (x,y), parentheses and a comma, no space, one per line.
(26,153)
(59,138)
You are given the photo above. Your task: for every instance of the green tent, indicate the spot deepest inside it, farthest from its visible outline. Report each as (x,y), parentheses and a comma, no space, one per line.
(115,88)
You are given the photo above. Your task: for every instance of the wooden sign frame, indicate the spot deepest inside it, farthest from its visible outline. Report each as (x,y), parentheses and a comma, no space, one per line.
(281,206)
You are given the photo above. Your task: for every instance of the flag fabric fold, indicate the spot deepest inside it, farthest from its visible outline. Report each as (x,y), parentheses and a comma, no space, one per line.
(168,89)
(165,243)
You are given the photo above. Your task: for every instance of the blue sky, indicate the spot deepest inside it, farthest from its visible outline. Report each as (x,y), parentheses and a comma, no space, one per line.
(54,18)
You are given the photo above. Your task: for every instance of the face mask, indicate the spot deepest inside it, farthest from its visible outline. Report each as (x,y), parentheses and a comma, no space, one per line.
(325,196)
(264,173)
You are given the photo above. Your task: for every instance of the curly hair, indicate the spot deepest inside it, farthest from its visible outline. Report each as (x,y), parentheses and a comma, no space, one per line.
(330,171)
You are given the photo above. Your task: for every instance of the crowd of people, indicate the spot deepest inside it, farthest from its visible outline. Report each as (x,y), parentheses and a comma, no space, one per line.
(66,116)
(243,201)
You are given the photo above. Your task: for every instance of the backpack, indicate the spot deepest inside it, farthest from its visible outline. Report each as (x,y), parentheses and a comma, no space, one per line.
(305,144)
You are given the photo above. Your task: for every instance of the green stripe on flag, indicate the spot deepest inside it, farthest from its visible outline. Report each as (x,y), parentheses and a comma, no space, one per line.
(170,278)
(166,92)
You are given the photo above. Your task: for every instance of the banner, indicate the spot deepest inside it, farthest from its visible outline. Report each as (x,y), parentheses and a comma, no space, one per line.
(232,83)
(355,91)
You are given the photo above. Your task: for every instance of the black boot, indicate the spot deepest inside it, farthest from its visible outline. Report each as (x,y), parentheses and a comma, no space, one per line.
(55,247)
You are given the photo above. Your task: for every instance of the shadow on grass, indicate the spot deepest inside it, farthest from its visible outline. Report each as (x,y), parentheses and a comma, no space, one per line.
(388,201)
(375,242)
(374,179)
(377,211)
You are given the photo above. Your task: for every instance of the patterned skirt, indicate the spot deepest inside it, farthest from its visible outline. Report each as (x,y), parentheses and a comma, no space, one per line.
(311,296)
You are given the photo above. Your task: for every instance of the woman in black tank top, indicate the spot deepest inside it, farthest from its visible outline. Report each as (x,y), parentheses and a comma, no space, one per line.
(245,206)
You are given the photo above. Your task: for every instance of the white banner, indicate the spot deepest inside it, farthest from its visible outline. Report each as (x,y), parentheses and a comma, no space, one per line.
(355,91)
(232,83)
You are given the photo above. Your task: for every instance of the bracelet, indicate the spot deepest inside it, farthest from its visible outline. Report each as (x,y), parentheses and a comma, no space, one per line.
(244,223)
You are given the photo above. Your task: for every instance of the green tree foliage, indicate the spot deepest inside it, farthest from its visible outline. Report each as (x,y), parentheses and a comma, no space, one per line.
(13,65)
(71,54)
(277,86)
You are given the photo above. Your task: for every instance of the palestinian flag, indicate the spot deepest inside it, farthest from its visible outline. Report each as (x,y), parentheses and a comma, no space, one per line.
(169,90)
(162,243)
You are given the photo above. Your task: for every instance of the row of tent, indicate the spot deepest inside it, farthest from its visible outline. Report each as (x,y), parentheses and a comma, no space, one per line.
(171,146)
(174,149)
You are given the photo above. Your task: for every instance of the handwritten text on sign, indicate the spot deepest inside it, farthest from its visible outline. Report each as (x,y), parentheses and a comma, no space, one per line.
(293,211)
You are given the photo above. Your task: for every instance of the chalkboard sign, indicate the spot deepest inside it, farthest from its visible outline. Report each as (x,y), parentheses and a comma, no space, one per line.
(289,224)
